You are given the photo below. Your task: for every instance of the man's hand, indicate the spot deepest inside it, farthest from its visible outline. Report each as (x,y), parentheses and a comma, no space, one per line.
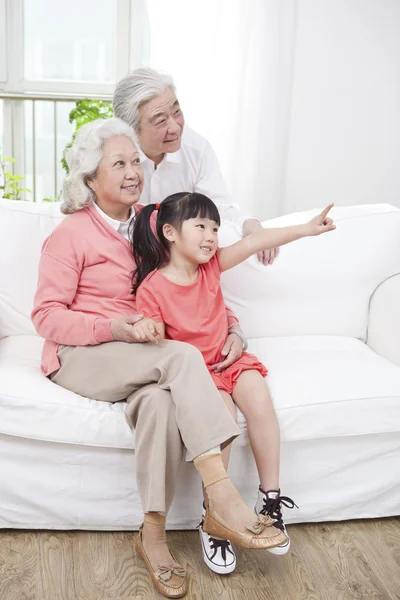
(232,351)
(266,257)
(122,328)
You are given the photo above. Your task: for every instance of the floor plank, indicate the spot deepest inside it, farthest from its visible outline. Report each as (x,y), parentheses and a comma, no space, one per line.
(352,560)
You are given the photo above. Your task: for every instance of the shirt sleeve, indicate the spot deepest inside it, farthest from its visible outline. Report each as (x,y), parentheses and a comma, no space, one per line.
(232,318)
(147,304)
(59,273)
(211,183)
(216,268)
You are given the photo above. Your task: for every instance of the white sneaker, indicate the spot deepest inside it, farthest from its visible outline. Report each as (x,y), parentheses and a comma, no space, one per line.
(270,504)
(218,554)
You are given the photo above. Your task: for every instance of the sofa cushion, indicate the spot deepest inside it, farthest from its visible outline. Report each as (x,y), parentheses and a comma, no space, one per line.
(323,386)
(34,407)
(330,386)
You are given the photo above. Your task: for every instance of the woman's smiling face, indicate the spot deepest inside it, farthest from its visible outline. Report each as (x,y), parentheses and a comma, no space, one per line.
(118,182)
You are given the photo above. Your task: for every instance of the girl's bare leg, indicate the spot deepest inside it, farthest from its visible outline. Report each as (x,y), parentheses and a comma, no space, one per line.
(252,396)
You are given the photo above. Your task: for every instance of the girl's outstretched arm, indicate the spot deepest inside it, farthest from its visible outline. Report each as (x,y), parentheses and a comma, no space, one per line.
(230,256)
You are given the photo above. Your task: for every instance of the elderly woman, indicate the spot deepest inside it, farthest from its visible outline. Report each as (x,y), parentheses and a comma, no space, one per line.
(94,347)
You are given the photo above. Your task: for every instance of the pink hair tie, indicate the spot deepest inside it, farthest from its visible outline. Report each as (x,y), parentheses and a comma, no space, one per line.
(157,206)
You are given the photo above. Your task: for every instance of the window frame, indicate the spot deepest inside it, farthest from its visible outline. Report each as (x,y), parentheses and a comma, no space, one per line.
(14,87)
(3,43)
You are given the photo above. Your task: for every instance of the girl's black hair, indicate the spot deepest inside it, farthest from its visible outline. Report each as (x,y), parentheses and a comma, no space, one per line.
(150,251)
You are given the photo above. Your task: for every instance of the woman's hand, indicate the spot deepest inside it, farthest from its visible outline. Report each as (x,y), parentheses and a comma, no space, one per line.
(320,224)
(232,351)
(122,328)
(147,330)
(135,328)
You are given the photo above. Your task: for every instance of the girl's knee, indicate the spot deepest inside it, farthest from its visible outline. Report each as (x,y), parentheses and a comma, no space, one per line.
(260,407)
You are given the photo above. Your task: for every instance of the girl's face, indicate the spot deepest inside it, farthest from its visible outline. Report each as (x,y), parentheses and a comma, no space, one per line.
(197,241)
(119,179)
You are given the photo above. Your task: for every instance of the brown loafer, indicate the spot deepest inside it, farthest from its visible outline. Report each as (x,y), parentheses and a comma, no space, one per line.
(259,535)
(169,580)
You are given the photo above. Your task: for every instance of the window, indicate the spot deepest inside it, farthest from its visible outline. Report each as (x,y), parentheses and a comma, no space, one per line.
(52,54)
(83,49)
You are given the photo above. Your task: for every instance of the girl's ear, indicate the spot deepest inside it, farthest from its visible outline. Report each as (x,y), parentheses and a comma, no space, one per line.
(169,232)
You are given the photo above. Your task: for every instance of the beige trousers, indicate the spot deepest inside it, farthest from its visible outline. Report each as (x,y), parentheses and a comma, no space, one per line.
(173,404)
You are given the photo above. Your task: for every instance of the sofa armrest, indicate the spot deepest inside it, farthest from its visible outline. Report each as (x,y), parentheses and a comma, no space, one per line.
(384,320)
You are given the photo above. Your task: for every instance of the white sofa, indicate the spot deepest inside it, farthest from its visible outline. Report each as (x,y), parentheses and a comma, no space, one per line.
(325,319)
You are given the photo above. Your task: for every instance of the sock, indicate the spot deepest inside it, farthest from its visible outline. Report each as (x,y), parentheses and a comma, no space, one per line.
(211,468)
(155,518)
(224,499)
(155,540)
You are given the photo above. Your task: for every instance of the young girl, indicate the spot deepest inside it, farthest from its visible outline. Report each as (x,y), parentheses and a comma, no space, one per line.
(177,287)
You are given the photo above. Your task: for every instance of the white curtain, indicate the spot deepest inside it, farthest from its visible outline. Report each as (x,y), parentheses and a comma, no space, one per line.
(298,98)
(231,61)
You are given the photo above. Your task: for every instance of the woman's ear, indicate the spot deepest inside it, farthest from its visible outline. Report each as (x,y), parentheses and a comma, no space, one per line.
(90,183)
(169,232)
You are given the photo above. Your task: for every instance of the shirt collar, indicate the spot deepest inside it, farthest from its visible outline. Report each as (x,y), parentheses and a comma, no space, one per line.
(117,225)
(172,157)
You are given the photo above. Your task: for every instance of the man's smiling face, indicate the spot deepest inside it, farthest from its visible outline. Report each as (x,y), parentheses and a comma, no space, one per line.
(161,125)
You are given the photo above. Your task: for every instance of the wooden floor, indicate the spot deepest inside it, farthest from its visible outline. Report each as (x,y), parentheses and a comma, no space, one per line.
(336,561)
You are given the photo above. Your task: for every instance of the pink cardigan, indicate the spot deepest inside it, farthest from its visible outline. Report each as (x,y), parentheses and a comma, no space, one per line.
(85,274)
(84,282)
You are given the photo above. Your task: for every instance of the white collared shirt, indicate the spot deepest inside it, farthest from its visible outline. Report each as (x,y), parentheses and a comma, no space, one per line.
(120,226)
(194,168)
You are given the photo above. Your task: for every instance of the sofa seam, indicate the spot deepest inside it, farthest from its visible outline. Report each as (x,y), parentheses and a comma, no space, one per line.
(369,306)
(69,443)
(133,449)
(277,409)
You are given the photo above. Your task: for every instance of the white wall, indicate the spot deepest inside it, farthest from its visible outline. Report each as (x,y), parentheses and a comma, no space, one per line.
(300,98)
(344,133)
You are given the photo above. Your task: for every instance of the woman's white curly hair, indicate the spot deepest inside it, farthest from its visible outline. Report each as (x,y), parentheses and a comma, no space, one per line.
(83,159)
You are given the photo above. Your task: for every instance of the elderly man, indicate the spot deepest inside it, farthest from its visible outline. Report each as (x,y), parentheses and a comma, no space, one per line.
(175,158)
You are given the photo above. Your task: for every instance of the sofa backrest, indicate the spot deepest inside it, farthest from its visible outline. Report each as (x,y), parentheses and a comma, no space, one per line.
(23,228)
(317,285)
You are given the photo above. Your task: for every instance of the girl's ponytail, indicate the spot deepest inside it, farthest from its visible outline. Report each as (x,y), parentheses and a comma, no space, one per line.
(148,252)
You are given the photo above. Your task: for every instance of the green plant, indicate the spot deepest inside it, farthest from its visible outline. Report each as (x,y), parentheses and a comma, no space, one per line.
(53,199)
(85,111)
(9,182)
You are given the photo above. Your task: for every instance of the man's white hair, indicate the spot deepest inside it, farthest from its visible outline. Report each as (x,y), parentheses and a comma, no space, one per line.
(136,88)
(83,159)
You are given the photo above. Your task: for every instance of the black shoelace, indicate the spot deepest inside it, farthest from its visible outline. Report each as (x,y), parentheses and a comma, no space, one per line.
(216,544)
(222,544)
(272,508)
